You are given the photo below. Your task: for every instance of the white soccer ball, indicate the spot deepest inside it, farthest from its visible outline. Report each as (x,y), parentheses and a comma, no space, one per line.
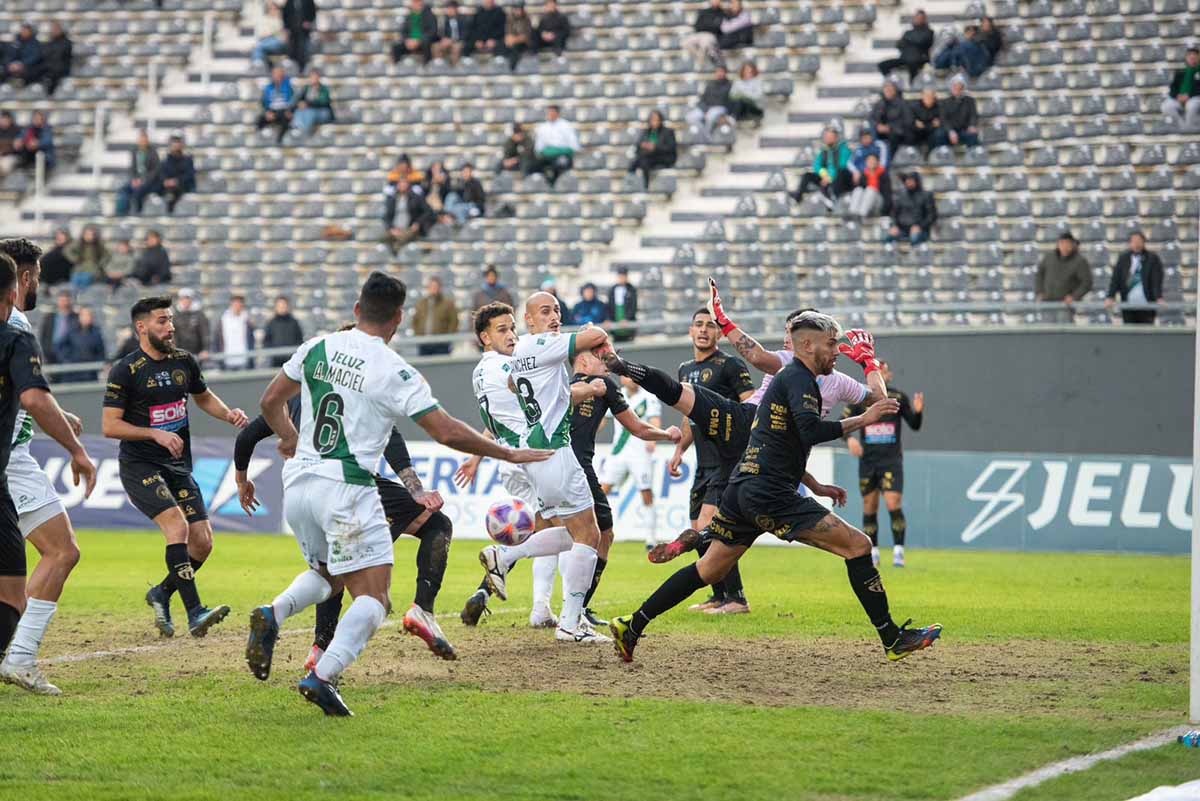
(510,522)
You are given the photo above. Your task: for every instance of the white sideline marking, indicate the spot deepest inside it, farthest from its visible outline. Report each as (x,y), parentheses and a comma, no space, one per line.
(1006,790)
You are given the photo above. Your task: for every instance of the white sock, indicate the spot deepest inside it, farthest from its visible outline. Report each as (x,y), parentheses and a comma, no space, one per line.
(545,568)
(650,522)
(577,578)
(308,588)
(564,561)
(897,550)
(358,625)
(27,639)
(541,543)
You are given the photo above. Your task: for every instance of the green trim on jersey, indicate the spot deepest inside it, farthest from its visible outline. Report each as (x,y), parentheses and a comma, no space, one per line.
(25,433)
(423,412)
(624,435)
(561,438)
(500,431)
(352,472)
(571,348)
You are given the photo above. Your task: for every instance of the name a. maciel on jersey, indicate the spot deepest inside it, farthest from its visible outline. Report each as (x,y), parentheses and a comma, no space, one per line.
(341,370)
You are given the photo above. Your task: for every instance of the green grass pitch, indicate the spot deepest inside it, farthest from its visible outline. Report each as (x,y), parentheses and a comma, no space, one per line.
(1043,657)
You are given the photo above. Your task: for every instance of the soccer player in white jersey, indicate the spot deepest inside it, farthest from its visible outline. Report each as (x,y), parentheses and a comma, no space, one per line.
(635,460)
(43,519)
(353,390)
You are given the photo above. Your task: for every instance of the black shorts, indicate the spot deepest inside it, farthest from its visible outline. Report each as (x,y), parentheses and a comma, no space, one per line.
(752,507)
(707,488)
(399,506)
(153,489)
(886,476)
(724,422)
(602,508)
(12,544)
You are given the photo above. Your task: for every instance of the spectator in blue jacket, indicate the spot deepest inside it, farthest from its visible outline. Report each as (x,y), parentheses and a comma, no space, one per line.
(832,173)
(24,60)
(868,146)
(589,309)
(178,173)
(38,137)
(277,97)
(966,54)
(83,343)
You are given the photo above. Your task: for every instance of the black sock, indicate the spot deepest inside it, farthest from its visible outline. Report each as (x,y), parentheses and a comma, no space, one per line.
(899,526)
(328,612)
(483,585)
(734,590)
(656,382)
(600,565)
(673,592)
(9,618)
(871,528)
(718,589)
(168,583)
(180,566)
(868,586)
(431,559)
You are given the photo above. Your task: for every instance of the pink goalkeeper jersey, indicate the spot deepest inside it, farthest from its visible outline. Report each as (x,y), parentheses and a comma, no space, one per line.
(836,387)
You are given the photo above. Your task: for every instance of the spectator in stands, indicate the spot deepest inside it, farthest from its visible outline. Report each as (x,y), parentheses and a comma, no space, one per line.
(56,56)
(1183,98)
(868,146)
(406,216)
(56,266)
(144,168)
(960,117)
(519,155)
(655,148)
(418,33)
(914,45)
(966,54)
(454,34)
(83,343)
(25,58)
(271,36)
(178,173)
(622,305)
(192,331)
(491,291)
(436,188)
(589,309)
(90,257)
(702,44)
(714,103)
(57,326)
(299,20)
(282,331)
(1137,278)
(314,105)
(518,35)
(487,30)
(121,263)
(10,133)
(914,212)
(466,199)
(832,174)
(927,119)
(1063,274)
(436,313)
(737,30)
(404,169)
(276,102)
(748,95)
(37,137)
(892,118)
(872,189)
(552,31)
(153,265)
(234,337)
(991,38)
(555,141)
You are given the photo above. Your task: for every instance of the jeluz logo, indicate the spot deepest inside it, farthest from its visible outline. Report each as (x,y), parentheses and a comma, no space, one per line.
(169,416)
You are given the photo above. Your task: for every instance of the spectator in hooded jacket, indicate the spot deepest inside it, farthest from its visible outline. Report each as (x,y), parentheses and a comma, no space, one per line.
(192,330)
(1183,98)
(914,212)
(552,30)
(454,34)
(737,30)
(38,137)
(832,174)
(991,39)
(25,57)
(927,119)
(277,97)
(282,331)
(178,173)
(622,305)
(56,267)
(966,54)
(702,43)
(748,95)
(153,265)
(519,155)
(867,146)
(487,30)
(406,216)
(714,103)
(891,117)
(518,35)
(144,169)
(555,141)
(418,32)
(914,47)
(1063,274)
(960,117)
(655,148)
(466,199)
(1137,277)
(589,309)
(56,56)
(314,105)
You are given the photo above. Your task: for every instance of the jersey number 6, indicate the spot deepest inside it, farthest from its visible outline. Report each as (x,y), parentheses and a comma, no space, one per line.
(328,431)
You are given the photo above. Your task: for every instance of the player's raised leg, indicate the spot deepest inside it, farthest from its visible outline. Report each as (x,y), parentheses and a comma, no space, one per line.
(435,535)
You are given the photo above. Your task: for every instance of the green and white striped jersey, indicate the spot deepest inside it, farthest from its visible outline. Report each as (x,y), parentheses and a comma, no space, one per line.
(542,377)
(23,429)
(353,391)
(498,406)
(645,406)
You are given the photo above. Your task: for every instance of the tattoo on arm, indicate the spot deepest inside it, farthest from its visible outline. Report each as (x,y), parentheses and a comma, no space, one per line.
(746,346)
(408,477)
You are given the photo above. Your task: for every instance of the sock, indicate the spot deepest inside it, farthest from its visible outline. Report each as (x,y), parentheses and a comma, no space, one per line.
(431,560)
(362,620)
(734,590)
(540,543)
(868,586)
(308,588)
(168,583)
(328,612)
(899,527)
(673,592)
(600,565)
(718,589)
(30,630)
(871,528)
(656,382)
(9,618)
(650,524)
(545,568)
(179,565)
(577,577)
(483,585)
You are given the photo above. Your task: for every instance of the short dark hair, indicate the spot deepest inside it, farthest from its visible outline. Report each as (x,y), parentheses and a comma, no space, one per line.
(553,107)
(485,314)
(8,274)
(701,310)
(23,252)
(145,306)
(381,297)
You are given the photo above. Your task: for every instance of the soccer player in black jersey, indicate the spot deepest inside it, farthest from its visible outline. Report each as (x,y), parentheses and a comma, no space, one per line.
(762,496)
(23,385)
(881,466)
(409,508)
(146,407)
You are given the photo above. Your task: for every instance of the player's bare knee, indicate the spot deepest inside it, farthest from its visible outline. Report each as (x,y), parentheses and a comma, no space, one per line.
(859,544)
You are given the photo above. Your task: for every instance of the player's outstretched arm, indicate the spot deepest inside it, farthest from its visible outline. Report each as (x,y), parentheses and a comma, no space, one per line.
(590,337)
(454,433)
(215,407)
(746,346)
(46,412)
(274,406)
(643,430)
(584,390)
(831,491)
(874,413)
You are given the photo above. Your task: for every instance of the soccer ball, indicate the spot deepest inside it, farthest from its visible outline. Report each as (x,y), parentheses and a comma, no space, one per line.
(509,522)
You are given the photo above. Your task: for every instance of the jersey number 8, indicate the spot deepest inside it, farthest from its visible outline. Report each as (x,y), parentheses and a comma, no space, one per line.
(529,404)
(328,431)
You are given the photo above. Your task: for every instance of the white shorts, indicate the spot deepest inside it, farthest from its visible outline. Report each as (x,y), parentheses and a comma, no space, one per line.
(517,484)
(633,461)
(341,525)
(32,492)
(560,484)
